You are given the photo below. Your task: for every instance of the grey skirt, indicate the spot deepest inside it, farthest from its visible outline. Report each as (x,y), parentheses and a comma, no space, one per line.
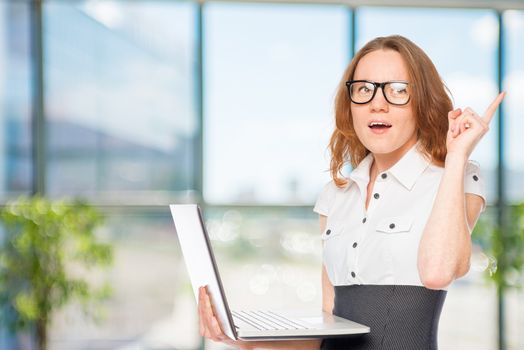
(400,317)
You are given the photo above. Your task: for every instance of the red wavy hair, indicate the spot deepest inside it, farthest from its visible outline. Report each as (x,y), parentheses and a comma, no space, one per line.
(429,98)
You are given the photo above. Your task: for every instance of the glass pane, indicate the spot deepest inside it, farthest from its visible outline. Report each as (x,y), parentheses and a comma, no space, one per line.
(152,305)
(120,98)
(467,63)
(514,143)
(271,73)
(15,99)
(269,258)
(514,123)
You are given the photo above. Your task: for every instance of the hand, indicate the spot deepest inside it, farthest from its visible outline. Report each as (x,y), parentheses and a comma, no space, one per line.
(208,323)
(466,128)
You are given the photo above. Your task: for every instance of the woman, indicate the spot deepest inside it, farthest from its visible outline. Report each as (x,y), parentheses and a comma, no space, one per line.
(396,232)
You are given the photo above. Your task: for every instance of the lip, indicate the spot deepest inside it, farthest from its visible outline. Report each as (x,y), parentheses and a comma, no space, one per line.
(379,131)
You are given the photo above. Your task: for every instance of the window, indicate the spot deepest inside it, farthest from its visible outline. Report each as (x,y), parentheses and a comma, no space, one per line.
(120,98)
(15,100)
(271,73)
(467,63)
(514,104)
(513,145)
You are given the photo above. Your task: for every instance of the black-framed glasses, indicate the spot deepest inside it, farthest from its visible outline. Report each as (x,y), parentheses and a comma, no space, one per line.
(363,91)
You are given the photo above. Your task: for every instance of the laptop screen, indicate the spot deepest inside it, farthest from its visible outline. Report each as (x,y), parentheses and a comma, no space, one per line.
(200,261)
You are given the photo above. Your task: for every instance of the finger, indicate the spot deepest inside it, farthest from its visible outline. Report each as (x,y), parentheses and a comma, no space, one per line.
(213,325)
(454,113)
(216,331)
(473,122)
(470,111)
(465,124)
(217,327)
(207,310)
(206,314)
(490,111)
(457,126)
(470,118)
(461,123)
(201,325)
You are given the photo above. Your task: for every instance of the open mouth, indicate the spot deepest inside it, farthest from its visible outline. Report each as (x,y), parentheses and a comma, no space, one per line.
(379,125)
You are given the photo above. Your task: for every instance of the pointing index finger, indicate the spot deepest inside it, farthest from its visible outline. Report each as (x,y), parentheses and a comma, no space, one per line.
(490,111)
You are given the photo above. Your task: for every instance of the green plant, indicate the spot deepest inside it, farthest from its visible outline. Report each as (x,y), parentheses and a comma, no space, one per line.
(501,235)
(506,248)
(45,250)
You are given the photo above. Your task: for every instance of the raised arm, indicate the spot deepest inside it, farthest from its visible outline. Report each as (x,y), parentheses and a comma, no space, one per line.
(445,248)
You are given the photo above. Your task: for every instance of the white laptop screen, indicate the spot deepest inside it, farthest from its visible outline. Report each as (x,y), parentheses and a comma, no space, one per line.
(200,261)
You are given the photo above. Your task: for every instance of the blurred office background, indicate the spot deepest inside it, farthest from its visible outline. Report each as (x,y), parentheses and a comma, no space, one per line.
(138,104)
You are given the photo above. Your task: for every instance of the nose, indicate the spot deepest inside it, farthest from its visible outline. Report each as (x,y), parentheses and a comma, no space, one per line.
(379,103)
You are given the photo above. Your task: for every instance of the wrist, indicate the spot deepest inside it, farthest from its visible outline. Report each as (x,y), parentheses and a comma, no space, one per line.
(456,159)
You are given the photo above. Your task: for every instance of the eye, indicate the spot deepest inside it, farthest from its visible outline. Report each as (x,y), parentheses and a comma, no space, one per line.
(365,88)
(398,88)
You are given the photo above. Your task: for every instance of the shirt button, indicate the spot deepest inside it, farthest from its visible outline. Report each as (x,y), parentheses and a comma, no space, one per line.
(328,232)
(355,245)
(392,226)
(475,177)
(364,220)
(353,274)
(384,175)
(376,195)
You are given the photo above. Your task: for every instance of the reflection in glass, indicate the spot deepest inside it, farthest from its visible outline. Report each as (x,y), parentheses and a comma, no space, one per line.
(268,257)
(119,97)
(514,104)
(15,100)
(514,157)
(271,72)
(151,306)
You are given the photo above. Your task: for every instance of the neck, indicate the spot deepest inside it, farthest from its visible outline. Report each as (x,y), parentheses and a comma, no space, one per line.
(384,161)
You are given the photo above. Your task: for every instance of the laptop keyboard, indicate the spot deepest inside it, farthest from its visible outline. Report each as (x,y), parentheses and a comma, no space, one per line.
(268,320)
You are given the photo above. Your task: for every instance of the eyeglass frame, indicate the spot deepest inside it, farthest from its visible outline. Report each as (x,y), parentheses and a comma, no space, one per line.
(377,86)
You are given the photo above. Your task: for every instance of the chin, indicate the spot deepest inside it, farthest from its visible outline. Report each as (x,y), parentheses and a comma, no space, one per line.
(384,147)
(388,145)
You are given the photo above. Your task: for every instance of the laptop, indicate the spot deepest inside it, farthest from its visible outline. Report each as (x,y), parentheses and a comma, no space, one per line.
(246,325)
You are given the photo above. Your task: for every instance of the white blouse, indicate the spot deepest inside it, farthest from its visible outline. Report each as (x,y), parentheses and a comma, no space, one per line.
(380,245)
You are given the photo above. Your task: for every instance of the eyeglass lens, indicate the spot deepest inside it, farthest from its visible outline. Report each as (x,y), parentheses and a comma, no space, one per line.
(394,92)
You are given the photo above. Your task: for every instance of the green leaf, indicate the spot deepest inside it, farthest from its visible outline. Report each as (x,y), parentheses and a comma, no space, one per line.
(42,241)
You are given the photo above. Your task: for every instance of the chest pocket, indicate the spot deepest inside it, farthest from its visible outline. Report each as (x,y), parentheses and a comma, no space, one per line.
(395,224)
(333,229)
(334,251)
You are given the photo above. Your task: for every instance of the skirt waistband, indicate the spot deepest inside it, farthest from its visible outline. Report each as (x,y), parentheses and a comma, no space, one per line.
(400,316)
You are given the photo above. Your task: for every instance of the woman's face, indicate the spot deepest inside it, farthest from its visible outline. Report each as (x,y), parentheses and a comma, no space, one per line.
(383,128)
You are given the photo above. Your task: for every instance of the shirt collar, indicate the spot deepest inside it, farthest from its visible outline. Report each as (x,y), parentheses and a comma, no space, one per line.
(361,172)
(407,170)
(360,175)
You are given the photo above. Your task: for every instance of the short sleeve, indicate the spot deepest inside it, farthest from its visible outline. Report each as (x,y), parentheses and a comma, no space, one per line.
(474,182)
(325,199)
